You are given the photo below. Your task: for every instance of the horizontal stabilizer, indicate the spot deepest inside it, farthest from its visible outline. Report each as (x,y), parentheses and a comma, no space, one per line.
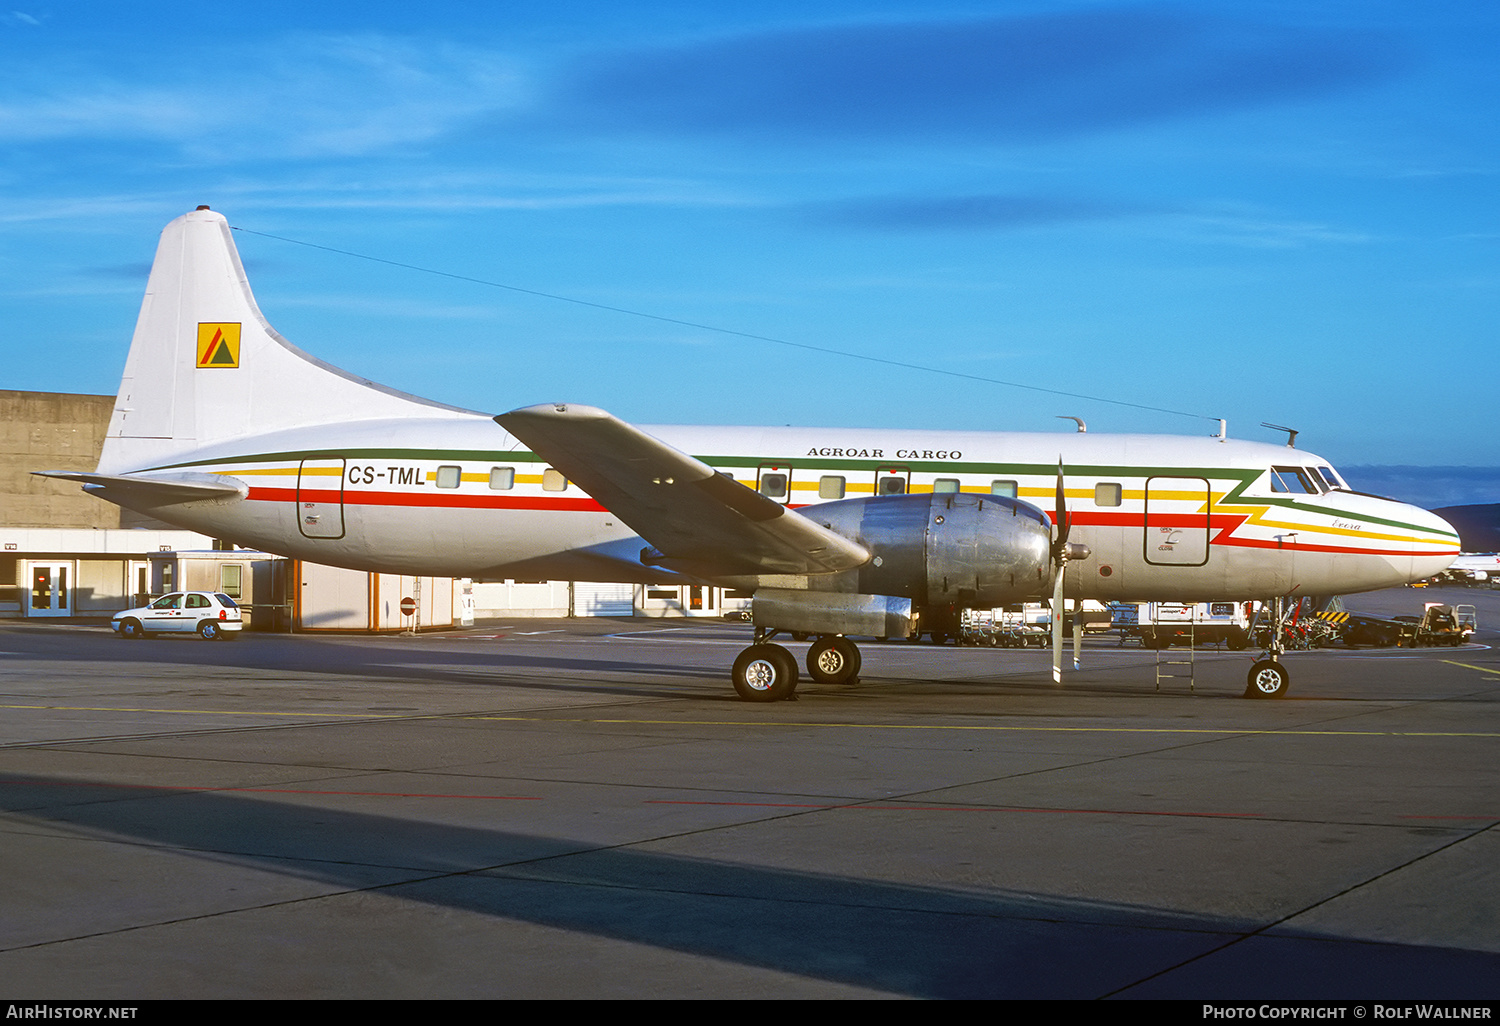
(137,490)
(699,521)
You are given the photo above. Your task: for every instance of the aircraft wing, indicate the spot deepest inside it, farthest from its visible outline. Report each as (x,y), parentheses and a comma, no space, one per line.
(699,521)
(154,490)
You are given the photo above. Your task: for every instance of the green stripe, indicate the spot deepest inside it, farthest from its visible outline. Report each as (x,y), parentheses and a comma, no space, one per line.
(1243,477)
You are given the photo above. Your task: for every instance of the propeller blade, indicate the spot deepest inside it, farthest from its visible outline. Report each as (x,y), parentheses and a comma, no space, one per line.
(1057,621)
(1060,516)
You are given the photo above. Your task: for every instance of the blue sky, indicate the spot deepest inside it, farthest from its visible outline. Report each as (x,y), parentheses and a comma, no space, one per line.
(1262,211)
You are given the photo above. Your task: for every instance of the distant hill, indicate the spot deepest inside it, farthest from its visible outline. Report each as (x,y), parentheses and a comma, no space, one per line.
(1478,526)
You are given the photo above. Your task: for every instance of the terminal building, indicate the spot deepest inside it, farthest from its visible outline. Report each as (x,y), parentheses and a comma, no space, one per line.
(65,553)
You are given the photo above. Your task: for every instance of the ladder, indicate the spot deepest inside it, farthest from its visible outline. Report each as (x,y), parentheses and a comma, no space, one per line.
(1168,668)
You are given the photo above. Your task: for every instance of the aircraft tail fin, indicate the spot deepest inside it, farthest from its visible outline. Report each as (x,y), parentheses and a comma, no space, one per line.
(205,366)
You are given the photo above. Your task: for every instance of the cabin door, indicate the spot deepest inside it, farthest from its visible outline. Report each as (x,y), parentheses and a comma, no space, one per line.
(1177,523)
(320,498)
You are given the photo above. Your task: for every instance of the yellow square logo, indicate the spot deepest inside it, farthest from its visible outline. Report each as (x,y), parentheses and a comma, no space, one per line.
(219,345)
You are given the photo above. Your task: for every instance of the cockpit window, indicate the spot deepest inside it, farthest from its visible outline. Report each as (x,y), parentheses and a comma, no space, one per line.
(1292,479)
(1334,481)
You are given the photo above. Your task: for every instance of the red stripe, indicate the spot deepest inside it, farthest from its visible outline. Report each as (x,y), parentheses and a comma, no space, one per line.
(451,500)
(1225,523)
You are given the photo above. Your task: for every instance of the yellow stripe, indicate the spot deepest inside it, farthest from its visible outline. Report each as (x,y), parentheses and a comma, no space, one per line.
(1467,666)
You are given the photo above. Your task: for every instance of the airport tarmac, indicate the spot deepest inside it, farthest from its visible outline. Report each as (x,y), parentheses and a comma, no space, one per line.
(583,809)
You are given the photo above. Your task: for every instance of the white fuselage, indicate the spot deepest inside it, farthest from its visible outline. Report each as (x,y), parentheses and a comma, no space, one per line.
(1164,517)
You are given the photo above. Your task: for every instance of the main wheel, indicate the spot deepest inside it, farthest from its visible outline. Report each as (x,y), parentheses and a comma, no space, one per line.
(764,673)
(131,630)
(210,630)
(833,659)
(1267,679)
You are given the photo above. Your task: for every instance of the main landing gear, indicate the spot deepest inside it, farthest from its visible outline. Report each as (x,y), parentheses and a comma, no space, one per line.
(1268,678)
(768,673)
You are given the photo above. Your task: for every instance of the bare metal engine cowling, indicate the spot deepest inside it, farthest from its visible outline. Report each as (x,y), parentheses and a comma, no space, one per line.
(943,550)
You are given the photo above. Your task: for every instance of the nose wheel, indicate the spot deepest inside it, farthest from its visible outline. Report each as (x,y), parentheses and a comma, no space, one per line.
(1267,679)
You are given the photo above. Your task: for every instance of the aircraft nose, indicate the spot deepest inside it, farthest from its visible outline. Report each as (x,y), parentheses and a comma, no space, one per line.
(1436,546)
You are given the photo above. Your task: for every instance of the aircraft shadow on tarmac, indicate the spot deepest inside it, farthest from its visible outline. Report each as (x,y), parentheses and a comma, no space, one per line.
(913,940)
(461,662)
(380,658)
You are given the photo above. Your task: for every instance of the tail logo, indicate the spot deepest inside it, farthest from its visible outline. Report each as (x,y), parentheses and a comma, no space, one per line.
(218,345)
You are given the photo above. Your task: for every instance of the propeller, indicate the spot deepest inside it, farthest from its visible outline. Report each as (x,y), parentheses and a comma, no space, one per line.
(1062,552)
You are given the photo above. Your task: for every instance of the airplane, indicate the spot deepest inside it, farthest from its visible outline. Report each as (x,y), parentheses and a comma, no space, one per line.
(1477,566)
(224,427)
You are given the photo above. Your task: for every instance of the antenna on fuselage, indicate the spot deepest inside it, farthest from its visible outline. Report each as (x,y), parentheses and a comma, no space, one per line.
(1082,427)
(1291,433)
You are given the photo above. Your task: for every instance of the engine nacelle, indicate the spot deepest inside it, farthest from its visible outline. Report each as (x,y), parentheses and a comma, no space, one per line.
(944,550)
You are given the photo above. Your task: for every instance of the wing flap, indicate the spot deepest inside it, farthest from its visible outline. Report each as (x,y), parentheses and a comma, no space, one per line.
(696,519)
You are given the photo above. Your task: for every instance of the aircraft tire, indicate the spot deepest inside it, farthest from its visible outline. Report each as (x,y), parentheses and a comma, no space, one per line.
(1267,679)
(764,673)
(833,659)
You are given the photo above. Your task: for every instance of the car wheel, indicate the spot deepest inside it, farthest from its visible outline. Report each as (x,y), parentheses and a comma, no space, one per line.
(210,630)
(130,630)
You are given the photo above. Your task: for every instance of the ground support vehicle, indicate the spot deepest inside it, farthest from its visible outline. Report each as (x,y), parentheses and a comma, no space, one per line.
(213,615)
(1442,624)
(1163,624)
(1023,625)
(977,627)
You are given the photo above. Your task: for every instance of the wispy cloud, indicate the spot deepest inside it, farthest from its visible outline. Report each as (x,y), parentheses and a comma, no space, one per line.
(995,79)
(307,96)
(977,212)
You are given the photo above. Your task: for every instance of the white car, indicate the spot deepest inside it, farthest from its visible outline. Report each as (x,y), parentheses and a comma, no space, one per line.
(212,614)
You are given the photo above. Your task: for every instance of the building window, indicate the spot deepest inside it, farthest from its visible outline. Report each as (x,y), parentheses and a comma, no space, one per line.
(830,486)
(502,479)
(1005,489)
(449,476)
(553,481)
(230,579)
(1108,494)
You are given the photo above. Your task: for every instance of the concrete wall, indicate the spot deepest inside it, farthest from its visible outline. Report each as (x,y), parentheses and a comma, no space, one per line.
(51,431)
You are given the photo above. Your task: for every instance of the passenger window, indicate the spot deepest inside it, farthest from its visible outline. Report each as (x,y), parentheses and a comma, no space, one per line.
(502,479)
(197,602)
(892,486)
(553,481)
(1107,494)
(773,485)
(830,486)
(168,602)
(1007,489)
(945,485)
(449,476)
